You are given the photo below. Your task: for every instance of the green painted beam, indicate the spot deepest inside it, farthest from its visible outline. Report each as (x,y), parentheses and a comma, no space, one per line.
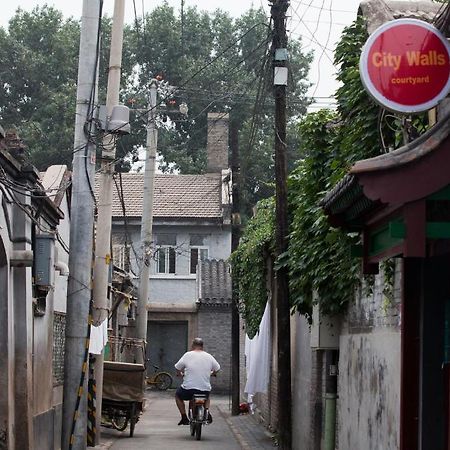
(438,230)
(382,240)
(443,194)
(397,230)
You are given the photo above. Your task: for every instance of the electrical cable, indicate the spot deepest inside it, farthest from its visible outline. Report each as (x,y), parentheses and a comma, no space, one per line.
(323,50)
(313,37)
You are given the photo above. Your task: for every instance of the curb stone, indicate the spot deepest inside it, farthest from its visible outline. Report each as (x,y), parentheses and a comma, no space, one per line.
(239,436)
(104,445)
(242,442)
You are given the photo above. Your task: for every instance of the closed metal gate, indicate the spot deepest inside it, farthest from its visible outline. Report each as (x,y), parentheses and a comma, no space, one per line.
(167,342)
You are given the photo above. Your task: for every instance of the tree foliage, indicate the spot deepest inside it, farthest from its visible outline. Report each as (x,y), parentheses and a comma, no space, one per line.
(39,53)
(37,81)
(318,257)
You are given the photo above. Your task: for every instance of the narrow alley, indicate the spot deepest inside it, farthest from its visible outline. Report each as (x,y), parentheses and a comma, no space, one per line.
(158,429)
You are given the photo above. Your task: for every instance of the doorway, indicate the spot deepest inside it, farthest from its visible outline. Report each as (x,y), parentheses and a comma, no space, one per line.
(167,342)
(425,354)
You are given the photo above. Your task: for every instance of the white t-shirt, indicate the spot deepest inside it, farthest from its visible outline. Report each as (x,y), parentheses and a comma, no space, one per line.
(197,366)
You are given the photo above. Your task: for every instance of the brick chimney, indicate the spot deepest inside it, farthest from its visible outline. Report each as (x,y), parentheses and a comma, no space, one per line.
(217,142)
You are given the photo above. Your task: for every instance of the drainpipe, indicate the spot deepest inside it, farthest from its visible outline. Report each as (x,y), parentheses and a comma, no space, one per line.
(330,400)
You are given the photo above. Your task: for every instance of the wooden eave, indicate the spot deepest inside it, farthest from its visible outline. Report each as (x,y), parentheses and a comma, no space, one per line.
(381,195)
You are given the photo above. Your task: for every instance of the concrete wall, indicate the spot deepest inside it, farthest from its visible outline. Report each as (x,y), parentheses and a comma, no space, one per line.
(6,343)
(369,372)
(302,376)
(214,326)
(60,291)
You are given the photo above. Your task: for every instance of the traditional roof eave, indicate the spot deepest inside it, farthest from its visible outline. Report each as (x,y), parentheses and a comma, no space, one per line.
(409,173)
(378,12)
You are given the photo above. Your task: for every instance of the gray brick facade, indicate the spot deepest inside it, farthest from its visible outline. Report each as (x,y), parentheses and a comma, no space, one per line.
(217,145)
(214,327)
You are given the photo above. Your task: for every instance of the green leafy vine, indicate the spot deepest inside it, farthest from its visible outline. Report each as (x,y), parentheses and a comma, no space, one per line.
(249,264)
(318,257)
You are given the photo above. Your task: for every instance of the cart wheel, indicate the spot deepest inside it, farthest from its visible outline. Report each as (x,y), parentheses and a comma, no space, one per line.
(120,423)
(132,419)
(163,381)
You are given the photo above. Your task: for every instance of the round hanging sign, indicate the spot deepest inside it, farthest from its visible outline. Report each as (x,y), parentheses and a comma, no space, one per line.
(405,65)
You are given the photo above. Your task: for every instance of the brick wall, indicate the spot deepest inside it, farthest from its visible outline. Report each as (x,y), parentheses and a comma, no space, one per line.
(217,143)
(214,327)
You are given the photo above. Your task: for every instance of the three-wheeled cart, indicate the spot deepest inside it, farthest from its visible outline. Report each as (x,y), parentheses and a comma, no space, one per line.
(123,394)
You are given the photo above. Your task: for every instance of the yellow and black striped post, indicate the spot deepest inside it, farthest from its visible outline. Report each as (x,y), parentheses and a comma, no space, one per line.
(92,408)
(84,370)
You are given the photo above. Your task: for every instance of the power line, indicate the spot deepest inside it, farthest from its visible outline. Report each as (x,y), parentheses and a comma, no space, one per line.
(325,46)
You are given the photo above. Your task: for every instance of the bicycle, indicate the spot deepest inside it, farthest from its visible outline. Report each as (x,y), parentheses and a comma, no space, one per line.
(196,415)
(162,380)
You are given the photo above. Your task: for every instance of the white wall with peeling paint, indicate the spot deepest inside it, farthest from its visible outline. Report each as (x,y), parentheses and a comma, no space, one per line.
(370,371)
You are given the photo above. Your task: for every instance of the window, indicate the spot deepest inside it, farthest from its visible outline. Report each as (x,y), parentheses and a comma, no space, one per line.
(165,260)
(199,252)
(165,253)
(121,256)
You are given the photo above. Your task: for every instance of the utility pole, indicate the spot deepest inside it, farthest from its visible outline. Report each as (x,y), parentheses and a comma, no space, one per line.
(147,219)
(74,421)
(235,236)
(104,221)
(279,50)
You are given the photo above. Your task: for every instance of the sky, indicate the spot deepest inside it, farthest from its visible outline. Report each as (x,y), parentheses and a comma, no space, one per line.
(318,22)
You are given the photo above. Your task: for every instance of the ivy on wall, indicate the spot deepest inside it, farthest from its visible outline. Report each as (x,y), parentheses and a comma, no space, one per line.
(249,264)
(318,257)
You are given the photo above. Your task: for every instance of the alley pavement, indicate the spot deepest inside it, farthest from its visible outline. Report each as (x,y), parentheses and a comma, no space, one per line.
(158,429)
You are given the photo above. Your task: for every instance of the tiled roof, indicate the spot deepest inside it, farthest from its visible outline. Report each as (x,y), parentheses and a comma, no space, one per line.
(377,12)
(176,196)
(214,283)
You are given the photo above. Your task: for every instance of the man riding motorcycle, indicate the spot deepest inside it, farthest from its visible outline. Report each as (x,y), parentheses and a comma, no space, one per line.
(196,368)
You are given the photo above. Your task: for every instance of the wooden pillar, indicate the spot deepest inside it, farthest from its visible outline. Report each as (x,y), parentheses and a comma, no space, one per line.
(415,220)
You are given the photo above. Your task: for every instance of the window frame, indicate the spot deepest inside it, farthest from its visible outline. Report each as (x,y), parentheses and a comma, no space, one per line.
(122,251)
(199,249)
(166,249)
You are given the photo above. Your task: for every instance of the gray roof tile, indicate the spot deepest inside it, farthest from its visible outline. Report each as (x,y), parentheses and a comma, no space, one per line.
(176,196)
(214,283)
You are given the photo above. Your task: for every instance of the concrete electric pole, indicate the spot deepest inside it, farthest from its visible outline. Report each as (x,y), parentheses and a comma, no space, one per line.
(104,221)
(147,219)
(279,51)
(74,421)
